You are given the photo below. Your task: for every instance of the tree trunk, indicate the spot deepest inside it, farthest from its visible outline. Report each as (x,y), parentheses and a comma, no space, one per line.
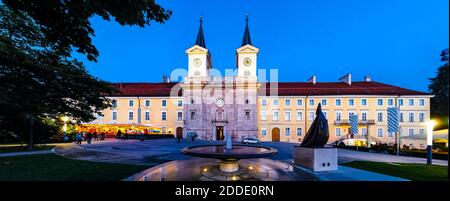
(31,140)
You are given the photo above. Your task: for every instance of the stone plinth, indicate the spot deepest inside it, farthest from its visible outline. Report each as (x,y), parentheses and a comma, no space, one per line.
(316,159)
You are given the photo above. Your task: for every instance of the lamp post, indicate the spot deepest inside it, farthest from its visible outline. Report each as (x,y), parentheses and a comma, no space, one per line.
(65,119)
(430,126)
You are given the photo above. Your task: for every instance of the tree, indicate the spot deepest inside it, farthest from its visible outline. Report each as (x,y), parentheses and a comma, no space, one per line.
(66,22)
(439,87)
(37,83)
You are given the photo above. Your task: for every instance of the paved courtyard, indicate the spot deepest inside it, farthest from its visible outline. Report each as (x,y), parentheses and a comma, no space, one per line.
(157,151)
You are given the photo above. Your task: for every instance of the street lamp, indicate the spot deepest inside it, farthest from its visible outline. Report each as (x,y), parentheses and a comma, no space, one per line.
(430,126)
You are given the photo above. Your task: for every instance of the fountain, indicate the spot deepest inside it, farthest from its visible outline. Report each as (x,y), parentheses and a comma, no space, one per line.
(229,154)
(224,162)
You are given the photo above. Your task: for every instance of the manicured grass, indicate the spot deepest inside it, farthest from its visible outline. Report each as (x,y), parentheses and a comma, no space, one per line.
(8,149)
(51,167)
(414,172)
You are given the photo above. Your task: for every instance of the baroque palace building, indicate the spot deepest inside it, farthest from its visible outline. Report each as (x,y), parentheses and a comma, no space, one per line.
(271,111)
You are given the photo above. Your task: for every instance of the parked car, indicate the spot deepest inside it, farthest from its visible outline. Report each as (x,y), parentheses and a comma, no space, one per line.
(250,140)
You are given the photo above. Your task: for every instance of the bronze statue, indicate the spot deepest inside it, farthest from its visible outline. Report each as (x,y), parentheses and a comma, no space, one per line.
(317,135)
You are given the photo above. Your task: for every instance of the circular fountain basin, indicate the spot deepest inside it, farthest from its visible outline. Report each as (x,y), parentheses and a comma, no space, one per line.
(229,157)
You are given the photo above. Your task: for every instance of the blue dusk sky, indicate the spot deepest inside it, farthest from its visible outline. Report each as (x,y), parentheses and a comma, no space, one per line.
(395,41)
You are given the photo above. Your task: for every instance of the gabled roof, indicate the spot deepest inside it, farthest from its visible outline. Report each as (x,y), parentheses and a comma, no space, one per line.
(338,88)
(283,89)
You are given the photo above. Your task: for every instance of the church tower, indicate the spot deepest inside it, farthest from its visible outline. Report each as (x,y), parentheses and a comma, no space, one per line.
(199,57)
(246,56)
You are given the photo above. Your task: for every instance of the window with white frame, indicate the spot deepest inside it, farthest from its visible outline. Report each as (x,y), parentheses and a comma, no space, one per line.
(287,102)
(380,117)
(147,103)
(364,116)
(380,102)
(411,117)
(380,132)
(325,113)
(263,131)
(421,117)
(311,102)
(338,132)
(421,102)
(338,116)
(338,102)
(410,131)
(364,102)
(400,102)
(247,114)
(147,115)
(287,115)
(164,103)
(351,102)
(179,116)
(421,131)
(411,102)
(275,102)
(299,102)
(164,116)
(263,115)
(275,115)
(114,103)
(390,134)
(312,115)
(130,115)
(363,131)
(192,115)
(131,103)
(299,131)
(180,103)
(401,117)
(390,102)
(264,102)
(114,115)
(287,131)
(324,102)
(299,116)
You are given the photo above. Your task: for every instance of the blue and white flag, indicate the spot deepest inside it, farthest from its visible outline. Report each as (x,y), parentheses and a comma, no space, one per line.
(393,119)
(353,121)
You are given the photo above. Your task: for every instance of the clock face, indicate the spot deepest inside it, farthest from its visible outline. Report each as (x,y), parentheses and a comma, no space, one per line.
(247,62)
(220,103)
(197,62)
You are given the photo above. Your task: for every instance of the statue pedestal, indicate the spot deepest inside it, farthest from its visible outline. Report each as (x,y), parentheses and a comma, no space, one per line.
(316,159)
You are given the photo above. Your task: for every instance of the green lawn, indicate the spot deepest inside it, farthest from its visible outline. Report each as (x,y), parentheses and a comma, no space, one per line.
(51,167)
(8,149)
(414,172)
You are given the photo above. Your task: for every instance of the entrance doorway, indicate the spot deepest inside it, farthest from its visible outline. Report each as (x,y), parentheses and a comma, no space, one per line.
(275,135)
(219,133)
(180,132)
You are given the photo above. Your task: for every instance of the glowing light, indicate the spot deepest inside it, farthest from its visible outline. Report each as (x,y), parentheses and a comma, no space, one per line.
(65,118)
(234,178)
(250,167)
(205,169)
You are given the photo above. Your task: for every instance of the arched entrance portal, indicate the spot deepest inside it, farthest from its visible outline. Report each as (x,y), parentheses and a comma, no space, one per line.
(180,132)
(275,135)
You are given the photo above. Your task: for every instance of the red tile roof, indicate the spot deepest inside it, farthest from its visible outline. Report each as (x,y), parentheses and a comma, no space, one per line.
(284,89)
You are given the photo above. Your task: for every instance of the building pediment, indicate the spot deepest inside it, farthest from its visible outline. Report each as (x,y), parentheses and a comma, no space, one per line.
(247,49)
(196,49)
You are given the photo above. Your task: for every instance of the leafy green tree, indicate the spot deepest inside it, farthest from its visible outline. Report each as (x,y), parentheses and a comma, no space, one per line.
(66,22)
(37,83)
(439,87)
